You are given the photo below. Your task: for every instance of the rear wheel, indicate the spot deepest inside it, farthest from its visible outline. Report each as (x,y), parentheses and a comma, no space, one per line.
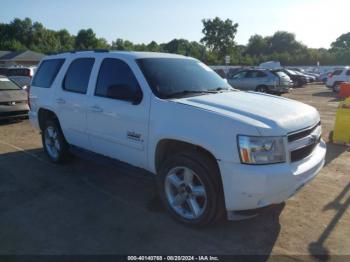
(53,141)
(190,189)
(336,87)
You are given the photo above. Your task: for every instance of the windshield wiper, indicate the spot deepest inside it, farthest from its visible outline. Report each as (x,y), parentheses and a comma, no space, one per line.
(189,92)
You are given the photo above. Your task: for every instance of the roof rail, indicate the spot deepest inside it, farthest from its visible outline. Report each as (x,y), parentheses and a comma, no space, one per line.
(85,50)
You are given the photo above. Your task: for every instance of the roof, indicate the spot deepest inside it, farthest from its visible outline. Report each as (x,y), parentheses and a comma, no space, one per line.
(132,54)
(20,56)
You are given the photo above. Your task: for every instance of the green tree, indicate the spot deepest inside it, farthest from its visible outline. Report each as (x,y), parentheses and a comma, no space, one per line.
(257,45)
(86,39)
(177,46)
(66,40)
(282,41)
(342,42)
(219,35)
(153,47)
(120,44)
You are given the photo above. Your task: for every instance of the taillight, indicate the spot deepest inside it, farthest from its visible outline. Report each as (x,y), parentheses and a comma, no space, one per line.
(330,75)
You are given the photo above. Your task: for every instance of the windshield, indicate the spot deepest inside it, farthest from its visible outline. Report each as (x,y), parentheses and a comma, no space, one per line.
(173,76)
(291,72)
(281,74)
(6,84)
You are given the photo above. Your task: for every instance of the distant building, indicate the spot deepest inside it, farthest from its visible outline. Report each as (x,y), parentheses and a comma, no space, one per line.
(18,58)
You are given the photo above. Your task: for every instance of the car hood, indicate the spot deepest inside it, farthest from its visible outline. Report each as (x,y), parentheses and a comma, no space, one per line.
(271,115)
(13,95)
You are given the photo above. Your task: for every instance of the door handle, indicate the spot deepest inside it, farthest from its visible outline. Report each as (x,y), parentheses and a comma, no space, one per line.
(96,109)
(60,101)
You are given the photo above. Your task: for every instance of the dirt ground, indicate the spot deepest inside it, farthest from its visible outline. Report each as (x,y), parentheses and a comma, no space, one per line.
(104,207)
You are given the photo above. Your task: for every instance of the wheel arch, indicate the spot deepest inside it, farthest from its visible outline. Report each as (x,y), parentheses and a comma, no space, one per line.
(166,147)
(44,114)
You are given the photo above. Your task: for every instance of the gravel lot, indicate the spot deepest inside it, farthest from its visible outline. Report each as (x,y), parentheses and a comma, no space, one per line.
(107,207)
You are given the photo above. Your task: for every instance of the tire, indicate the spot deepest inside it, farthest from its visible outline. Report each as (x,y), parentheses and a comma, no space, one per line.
(261,89)
(204,194)
(54,143)
(298,83)
(336,87)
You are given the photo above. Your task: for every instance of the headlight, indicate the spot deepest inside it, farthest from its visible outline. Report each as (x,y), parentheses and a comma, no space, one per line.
(261,150)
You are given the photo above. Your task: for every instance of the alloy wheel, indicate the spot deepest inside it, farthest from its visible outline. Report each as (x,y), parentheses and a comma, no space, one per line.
(185,192)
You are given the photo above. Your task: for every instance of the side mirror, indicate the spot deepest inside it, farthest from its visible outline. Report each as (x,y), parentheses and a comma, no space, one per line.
(125,92)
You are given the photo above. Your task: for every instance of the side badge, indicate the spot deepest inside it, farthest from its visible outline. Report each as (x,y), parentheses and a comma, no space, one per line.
(133,136)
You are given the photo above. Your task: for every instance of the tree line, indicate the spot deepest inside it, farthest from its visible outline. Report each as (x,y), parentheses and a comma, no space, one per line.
(218,41)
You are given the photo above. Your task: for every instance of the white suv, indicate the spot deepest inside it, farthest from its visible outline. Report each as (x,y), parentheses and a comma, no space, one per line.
(213,148)
(337,77)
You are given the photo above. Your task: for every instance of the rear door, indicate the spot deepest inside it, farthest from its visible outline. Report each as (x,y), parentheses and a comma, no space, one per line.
(71,101)
(253,79)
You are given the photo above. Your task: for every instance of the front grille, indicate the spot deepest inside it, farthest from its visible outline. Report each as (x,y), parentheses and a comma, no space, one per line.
(303,152)
(13,113)
(12,103)
(301,134)
(303,143)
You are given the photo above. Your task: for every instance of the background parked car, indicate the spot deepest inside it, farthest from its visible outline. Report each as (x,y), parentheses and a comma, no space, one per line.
(313,77)
(13,100)
(337,77)
(324,76)
(260,80)
(220,72)
(21,75)
(298,79)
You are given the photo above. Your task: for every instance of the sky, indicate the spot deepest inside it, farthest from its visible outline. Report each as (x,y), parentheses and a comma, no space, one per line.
(316,23)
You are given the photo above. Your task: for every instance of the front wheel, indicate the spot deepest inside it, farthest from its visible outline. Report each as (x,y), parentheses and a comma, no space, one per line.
(190,189)
(261,89)
(53,141)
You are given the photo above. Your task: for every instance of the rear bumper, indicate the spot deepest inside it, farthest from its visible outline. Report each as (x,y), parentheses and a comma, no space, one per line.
(253,186)
(280,89)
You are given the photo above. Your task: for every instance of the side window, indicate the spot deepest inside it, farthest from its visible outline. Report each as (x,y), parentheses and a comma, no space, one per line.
(47,72)
(337,72)
(250,74)
(240,75)
(348,72)
(260,74)
(117,81)
(78,75)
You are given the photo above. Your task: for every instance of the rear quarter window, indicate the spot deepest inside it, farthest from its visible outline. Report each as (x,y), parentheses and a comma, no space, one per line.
(47,72)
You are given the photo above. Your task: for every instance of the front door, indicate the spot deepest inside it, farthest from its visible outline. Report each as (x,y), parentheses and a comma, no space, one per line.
(117,124)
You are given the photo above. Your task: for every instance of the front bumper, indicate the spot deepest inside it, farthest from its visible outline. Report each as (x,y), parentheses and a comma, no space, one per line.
(255,186)
(16,111)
